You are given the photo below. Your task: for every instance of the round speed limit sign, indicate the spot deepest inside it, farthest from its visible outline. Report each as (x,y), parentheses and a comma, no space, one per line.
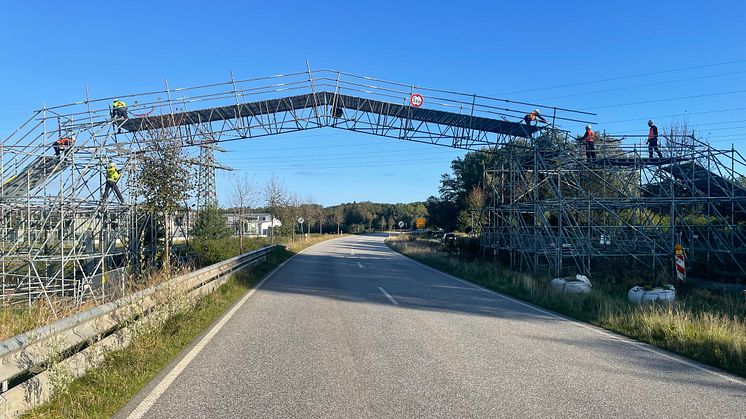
(401,224)
(416,100)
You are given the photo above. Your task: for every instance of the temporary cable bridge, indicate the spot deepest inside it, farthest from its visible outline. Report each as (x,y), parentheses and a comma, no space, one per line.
(59,239)
(552,207)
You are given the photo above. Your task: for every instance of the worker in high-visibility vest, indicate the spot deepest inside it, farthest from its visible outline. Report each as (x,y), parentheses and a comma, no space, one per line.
(112,177)
(590,142)
(118,109)
(535,117)
(653,140)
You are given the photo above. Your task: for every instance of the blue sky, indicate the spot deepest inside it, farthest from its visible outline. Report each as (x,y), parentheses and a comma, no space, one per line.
(595,56)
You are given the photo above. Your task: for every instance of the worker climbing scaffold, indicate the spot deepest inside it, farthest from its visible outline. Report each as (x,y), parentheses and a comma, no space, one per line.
(119,109)
(534,117)
(112,177)
(62,144)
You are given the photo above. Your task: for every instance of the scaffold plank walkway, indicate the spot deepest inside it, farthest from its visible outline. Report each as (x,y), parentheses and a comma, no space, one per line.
(337,101)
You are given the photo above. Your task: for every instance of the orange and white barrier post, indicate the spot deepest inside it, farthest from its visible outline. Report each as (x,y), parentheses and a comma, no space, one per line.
(680,263)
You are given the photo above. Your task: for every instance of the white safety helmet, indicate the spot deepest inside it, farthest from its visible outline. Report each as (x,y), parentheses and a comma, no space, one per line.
(536,111)
(112,164)
(588,127)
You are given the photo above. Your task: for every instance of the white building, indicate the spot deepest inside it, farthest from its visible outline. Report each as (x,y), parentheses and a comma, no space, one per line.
(254,224)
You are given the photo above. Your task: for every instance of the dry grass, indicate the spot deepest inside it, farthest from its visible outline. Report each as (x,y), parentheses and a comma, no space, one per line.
(301,243)
(702,325)
(18,319)
(21,318)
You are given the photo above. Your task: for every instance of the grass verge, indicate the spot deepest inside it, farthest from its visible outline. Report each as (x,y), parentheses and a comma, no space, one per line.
(108,387)
(704,326)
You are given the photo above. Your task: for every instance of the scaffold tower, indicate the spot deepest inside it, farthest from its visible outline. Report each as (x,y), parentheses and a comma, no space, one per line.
(555,209)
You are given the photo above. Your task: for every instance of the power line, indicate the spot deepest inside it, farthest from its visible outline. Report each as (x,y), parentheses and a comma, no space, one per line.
(370,163)
(670,99)
(339,156)
(732,140)
(722,128)
(642,85)
(672,115)
(623,77)
(722,122)
(724,135)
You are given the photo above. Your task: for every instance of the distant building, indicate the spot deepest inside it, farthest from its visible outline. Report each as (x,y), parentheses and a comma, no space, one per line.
(254,224)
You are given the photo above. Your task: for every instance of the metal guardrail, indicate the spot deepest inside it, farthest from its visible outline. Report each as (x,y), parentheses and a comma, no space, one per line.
(29,362)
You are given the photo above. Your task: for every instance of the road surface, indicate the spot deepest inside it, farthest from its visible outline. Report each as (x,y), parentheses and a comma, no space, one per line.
(351,329)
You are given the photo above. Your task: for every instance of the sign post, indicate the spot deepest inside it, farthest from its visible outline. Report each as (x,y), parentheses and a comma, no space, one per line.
(680,263)
(302,233)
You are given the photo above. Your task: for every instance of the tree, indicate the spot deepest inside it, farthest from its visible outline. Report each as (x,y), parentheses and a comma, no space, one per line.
(308,211)
(391,223)
(468,172)
(164,179)
(442,212)
(356,216)
(741,181)
(292,212)
(275,196)
(472,217)
(320,213)
(338,214)
(211,224)
(243,198)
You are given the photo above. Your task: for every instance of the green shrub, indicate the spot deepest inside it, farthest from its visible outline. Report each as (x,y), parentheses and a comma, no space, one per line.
(206,252)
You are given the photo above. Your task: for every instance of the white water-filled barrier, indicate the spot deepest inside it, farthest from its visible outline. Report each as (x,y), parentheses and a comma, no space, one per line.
(639,295)
(579,285)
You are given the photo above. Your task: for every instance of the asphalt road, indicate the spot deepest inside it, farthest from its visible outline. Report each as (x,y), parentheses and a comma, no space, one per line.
(351,329)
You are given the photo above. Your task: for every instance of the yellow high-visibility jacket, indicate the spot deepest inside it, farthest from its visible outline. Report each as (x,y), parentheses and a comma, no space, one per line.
(112,175)
(119,104)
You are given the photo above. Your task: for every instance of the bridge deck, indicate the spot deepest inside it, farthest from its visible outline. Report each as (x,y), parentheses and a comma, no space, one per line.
(310,100)
(710,183)
(637,161)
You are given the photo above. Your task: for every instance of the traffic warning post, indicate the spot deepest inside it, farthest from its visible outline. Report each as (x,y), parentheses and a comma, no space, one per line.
(680,263)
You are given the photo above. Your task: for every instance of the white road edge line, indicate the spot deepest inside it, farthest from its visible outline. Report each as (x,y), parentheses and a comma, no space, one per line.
(392,299)
(360,265)
(641,345)
(147,403)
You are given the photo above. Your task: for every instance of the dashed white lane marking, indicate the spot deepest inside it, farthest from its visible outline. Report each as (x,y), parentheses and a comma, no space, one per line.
(360,265)
(147,403)
(640,345)
(392,299)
